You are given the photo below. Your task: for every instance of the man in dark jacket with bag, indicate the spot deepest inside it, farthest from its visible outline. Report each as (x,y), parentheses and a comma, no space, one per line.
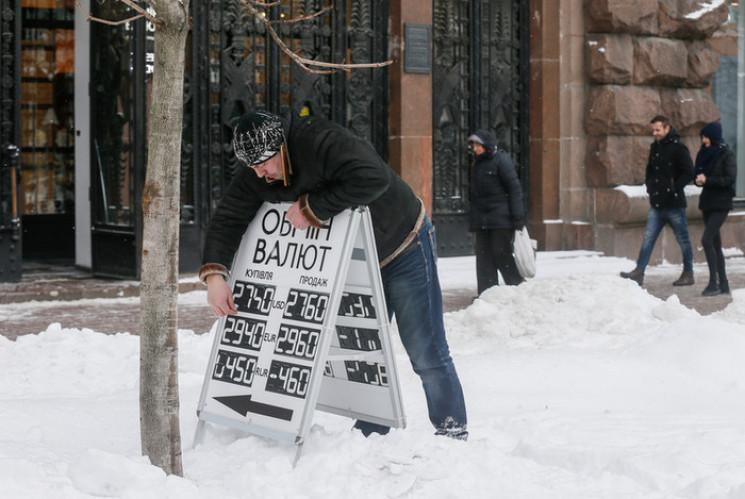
(324,169)
(496,211)
(669,170)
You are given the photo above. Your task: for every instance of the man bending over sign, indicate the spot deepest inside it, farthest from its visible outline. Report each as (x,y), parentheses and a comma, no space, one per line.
(324,169)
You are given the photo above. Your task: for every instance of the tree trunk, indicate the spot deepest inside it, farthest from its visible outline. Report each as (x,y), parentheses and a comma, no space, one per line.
(159,394)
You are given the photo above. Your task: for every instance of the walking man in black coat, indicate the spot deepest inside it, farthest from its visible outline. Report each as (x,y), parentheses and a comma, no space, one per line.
(669,170)
(324,169)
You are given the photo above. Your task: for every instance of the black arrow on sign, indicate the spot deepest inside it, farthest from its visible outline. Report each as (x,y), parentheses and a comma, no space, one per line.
(242,405)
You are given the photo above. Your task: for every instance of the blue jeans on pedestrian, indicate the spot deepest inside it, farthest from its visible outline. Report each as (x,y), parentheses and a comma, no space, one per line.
(656,220)
(412,293)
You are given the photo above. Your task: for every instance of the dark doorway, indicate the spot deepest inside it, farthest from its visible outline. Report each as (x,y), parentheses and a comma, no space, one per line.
(481,71)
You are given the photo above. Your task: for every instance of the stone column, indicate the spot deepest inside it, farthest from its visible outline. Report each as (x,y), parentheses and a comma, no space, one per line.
(410,122)
(545,166)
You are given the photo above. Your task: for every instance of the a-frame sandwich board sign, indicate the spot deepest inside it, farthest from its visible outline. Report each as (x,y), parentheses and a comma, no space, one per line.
(312,331)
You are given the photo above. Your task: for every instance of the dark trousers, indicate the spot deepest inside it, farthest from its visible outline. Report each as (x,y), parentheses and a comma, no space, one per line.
(711,240)
(494,253)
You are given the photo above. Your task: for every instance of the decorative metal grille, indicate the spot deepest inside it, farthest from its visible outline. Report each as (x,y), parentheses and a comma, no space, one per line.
(480,81)
(10,229)
(247,71)
(452,70)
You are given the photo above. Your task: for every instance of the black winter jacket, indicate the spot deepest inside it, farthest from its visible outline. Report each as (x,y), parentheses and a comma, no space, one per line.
(719,189)
(337,170)
(496,196)
(669,169)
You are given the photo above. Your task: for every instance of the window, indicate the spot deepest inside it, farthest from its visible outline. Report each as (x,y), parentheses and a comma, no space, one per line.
(47,107)
(728,86)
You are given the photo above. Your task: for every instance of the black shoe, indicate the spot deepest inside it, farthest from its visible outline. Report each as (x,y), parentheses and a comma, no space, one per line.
(711,290)
(455,434)
(635,275)
(724,287)
(685,279)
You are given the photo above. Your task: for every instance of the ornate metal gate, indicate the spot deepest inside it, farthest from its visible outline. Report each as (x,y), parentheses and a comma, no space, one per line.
(237,67)
(10,178)
(481,71)
(232,66)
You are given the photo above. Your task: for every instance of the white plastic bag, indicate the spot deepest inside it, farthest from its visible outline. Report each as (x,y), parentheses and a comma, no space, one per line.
(524,251)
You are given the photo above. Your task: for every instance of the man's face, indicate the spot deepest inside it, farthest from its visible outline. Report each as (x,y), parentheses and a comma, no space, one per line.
(477,148)
(659,130)
(271,169)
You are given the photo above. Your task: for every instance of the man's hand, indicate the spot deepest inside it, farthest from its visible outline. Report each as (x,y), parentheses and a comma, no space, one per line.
(296,218)
(700,179)
(220,296)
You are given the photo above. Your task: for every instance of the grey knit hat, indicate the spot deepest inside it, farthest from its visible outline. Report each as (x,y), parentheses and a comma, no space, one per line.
(475,138)
(257,137)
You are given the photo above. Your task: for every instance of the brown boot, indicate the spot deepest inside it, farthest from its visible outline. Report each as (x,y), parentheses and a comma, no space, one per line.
(635,275)
(685,279)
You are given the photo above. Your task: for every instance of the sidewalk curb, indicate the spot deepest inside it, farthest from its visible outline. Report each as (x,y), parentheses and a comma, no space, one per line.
(78,289)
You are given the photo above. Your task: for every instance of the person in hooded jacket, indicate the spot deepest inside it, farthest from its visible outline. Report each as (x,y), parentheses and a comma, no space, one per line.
(716,172)
(669,170)
(323,169)
(496,211)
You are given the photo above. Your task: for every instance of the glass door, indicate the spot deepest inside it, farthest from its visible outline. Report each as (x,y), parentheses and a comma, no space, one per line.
(47,182)
(117,92)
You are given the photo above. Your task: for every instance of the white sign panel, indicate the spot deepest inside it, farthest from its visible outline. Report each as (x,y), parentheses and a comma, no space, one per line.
(304,297)
(361,380)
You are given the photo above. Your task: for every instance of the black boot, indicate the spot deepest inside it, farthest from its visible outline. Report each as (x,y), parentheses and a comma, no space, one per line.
(724,287)
(635,275)
(712,289)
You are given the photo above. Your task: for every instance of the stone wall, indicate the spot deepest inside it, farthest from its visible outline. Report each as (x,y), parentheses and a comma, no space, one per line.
(643,58)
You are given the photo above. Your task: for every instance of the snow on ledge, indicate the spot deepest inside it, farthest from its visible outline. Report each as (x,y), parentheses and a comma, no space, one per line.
(640,191)
(705,9)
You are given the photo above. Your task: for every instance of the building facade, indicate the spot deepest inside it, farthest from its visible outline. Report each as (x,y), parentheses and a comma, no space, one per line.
(566,86)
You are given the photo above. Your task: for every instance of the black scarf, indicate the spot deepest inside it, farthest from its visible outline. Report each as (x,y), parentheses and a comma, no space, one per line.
(706,158)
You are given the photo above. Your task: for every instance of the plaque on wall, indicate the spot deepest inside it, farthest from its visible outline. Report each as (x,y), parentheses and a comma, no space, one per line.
(417,48)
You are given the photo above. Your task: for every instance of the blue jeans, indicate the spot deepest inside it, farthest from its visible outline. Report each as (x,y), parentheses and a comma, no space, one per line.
(412,293)
(656,220)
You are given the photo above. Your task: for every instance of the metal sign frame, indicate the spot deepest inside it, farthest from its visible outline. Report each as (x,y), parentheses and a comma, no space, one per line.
(312,331)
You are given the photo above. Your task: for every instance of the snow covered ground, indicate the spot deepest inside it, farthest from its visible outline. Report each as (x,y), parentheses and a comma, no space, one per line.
(578,384)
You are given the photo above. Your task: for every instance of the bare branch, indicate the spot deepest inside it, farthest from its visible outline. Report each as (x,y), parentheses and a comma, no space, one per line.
(308,64)
(302,18)
(137,8)
(301,61)
(141,10)
(262,5)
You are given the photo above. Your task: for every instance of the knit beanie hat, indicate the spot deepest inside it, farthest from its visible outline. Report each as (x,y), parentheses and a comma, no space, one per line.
(713,131)
(257,137)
